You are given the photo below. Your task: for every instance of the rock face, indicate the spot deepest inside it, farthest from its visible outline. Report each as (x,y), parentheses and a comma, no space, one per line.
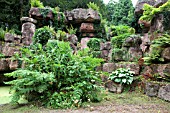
(145,43)
(28,30)
(84,42)
(35,13)
(166,54)
(164,92)
(159,2)
(109,67)
(114,87)
(27,19)
(162,70)
(4,65)
(152,89)
(87,27)
(82,15)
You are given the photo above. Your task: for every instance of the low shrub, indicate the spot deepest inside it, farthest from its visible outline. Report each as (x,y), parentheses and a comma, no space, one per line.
(55,77)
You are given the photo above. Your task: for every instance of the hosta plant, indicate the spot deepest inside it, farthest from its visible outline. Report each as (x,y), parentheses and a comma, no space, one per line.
(122,76)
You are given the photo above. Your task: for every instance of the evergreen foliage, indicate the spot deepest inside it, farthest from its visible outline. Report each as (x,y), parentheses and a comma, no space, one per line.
(121,12)
(11,12)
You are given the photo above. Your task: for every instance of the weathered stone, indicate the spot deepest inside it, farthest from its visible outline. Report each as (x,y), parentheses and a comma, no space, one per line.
(135,53)
(17,39)
(4,66)
(72,39)
(157,25)
(166,54)
(28,30)
(9,37)
(159,2)
(140,3)
(132,66)
(133,41)
(87,28)
(35,13)
(99,68)
(104,78)
(105,46)
(27,19)
(164,92)
(109,67)
(10,51)
(114,87)
(91,35)
(145,43)
(84,42)
(80,15)
(13,65)
(164,70)
(104,53)
(151,89)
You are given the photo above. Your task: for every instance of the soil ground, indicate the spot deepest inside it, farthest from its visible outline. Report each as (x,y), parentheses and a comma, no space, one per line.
(128,102)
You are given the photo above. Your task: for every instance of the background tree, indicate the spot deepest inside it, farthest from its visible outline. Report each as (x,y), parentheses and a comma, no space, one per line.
(11,11)
(121,12)
(72,4)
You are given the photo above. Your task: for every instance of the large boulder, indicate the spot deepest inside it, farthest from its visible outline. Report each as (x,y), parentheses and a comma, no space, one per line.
(166,54)
(9,51)
(114,87)
(35,13)
(164,92)
(84,42)
(109,67)
(27,19)
(151,89)
(28,30)
(80,15)
(4,66)
(135,53)
(87,27)
(161,70)
(145,43)
(133,41)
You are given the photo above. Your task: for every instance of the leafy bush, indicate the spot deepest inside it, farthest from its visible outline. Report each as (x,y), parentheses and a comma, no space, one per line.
(71,30)
(55,77)
(93,6)
(61,35)
(42,35)
(94,44)
(122,76)
(36,3)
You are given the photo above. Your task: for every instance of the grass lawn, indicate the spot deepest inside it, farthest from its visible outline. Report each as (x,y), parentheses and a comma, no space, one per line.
(128,102)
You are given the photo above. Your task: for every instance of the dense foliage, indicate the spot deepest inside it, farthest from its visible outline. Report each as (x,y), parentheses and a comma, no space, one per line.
(12,11)
(54,76)
(121,12)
